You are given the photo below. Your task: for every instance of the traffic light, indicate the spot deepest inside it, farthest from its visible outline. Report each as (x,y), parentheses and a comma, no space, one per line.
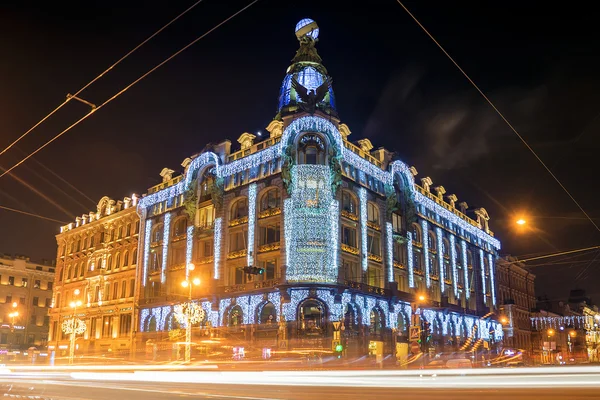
(339,348)
(425,335)
(254,270)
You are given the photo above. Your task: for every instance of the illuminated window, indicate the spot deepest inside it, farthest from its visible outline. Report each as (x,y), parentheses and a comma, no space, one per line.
(268,314)
(236,316)
(157,233)
(237,241)
(270,267)
(239,208)
(374,243)
(416,233)
(311,150)
(372,213)
(180,227)
(396,223)
(348,202)
(376,326)
(269,233)
(126,258)
(271,199)
(311,318)
(206,216)
(349,236)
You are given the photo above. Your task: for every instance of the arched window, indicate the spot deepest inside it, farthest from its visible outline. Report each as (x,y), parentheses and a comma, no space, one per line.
(157,233)
(134,257)
(271,199)
(349,202)
(68,272)
(151,325)
(312,318)
(85,241)
(60,274)
(118,260)
(91,241)
(372,213)
(446,247)
(401,324)
(431,244)
(206,216)
(267,314)
(57,305)
(82,270)
(434,267)
(180,227)
(109,263)
(78,245)
(239,208)
(376,327)
(311,150)
(120,232)
(76,271)
(126,258)
(236,316)
(416,233)
(156,260)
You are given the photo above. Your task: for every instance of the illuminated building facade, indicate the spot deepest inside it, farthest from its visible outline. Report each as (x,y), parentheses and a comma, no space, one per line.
(25,298)
(95,265)
(342,234)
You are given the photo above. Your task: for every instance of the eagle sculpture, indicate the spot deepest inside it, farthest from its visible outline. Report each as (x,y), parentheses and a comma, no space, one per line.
(310,98)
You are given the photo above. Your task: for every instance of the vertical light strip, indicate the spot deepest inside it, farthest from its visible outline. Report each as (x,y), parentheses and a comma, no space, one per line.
(287,233)
(482,265)
(465,264)
(147,232)
(425,235)
(453,264)
(189,249)
(409,256)
(251,222)
(217,246)
(166,236)
(492,278)
(390,250)
(362,195)
(334,222)
(440,252)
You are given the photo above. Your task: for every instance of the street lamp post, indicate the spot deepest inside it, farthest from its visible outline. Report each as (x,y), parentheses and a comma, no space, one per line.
(190,313)
(74,304)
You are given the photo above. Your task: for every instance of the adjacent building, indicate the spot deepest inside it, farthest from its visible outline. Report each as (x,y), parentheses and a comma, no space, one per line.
(309,239)
(25,298)
(516,299)
(96,265)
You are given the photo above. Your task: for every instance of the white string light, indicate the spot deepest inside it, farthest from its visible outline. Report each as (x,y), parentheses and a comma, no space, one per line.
(217,246)
(411,268)
(362,196)
(165,246)
(425,235)
(482,265)
(492,283)
(440,252)
(390,250)
(453,256)
(189,249)
(465,265)
(147,233)
(251,221)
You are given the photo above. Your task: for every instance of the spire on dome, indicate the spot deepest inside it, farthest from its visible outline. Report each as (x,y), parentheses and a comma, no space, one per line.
(306,86)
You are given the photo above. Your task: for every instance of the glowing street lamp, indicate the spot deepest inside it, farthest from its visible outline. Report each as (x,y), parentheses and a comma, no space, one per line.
(521,221)
(189,313)
(503,320)
(74,326)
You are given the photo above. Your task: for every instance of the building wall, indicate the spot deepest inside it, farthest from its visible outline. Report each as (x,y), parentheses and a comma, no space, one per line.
(29,285)
(96,265)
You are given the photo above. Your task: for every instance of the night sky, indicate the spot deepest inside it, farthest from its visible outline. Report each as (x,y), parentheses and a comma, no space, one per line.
(392,84)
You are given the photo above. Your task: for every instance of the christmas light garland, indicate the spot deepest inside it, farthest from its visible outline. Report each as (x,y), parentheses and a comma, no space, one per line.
(425,234)
(217,246)
(482,265)
(362,196)
(492,283)
(189,249)
(165,247)
(251,222)
(147,233)
(409,255)
(465,265)
(440,245)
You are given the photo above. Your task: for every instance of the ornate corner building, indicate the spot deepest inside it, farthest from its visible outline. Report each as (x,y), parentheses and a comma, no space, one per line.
(96,264)
(335,232)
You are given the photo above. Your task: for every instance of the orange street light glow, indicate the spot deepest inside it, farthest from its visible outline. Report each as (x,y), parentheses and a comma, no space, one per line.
(521,221)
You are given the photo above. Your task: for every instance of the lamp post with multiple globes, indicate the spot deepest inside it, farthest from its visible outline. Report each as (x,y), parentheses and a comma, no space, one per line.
(13,315)
(74,326)
(189,313)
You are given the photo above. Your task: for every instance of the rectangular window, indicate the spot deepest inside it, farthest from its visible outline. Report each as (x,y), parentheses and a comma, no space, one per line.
(22,300)
(96,293)
(36,301)
(237,241)
(396,223)
(115,290)
(131,287)
(3,338)
(351,271)
(11,280)
(123,289)
(178,255)
(269,233)
(47,304)
(239,276)
(37,284)
(207,248)
(349,236)
(270,267)
(30,338)
(33,320)
(206,216)
(9,299)
(124,324)
(24,282)
(106,326)
(374,243)
(49,285)
(93,328)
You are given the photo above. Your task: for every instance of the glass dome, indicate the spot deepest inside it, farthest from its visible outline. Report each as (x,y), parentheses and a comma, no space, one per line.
(306,21)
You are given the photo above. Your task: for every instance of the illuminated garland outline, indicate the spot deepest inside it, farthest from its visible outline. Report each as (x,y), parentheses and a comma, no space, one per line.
(440,245)
(362,195)
(251,222)
(453,264)
(425,235)
(482,265)
(147,232)
(217,246)
(390,251)
(409,251)
(165,246)
(290,309)
(465,265)
(223,306)
(189,247)
(334,220)
(492,283)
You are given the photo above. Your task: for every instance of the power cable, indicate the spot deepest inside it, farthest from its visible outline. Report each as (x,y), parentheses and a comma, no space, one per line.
(69,97)
(500,114)
(560,253)
(129,86)
(31,214)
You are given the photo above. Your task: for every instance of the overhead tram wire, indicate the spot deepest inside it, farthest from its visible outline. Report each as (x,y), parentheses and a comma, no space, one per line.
(500,114)
(31,214)
(99,76)
(93,110)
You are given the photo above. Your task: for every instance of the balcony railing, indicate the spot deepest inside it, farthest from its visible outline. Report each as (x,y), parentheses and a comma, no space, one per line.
(238,221)
(366,288)
(255,148)
(349,215)
(249,286)
(373,225)
(269,247)
(374,257)
(236,254)
(398,264)
(269,212)
(205,260)
(349,249)
(362,154)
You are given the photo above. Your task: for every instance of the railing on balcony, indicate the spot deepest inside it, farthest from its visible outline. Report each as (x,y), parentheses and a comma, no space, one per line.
(165,185)
(373,225)
(253,149)
(205,260)
(238,221)
(363,154)
(398,264)
(236,254)
(374,257)
(349,215)
(366,288)
(249,286)
(349,249)
(269,212)
(269,247)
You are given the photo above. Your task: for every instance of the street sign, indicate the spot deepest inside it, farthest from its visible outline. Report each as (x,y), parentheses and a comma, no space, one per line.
(336,325)
(415,332)
(282,344)
(415,348)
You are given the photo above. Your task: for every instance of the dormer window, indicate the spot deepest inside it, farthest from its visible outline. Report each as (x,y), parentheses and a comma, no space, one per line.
(311,150)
